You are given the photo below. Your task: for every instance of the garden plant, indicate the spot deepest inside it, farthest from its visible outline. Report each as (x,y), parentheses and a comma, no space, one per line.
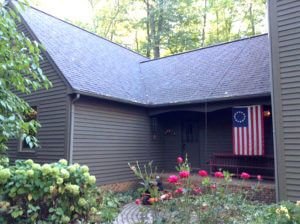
(51,193)
(214,202)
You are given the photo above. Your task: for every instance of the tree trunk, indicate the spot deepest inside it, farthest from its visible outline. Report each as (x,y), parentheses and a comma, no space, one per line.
(204,24)
(137,41)
(252,20)
(148,28)
(217,15)
(157,36)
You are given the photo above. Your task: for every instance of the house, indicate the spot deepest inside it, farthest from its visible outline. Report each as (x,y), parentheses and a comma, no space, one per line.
(284,20)
(110,106)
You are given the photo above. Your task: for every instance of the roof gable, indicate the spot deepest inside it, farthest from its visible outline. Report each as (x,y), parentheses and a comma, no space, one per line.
(96,66)
(90,63)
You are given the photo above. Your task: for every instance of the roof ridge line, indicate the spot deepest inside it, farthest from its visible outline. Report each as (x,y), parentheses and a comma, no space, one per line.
(203,48)
(80,28)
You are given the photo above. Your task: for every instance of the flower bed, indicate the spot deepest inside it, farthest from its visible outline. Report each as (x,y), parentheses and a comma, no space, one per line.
(211,201)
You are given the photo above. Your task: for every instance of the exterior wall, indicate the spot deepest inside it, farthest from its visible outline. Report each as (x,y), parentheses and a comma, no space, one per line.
(284,34)
(108,135)
(53,113)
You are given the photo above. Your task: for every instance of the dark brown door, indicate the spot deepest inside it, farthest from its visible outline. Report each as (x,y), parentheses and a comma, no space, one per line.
(190,141)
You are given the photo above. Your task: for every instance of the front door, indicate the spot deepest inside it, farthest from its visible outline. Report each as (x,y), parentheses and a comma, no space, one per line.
(190,141)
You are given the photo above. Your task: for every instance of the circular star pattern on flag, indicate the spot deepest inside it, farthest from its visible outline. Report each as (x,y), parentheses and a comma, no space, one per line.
(239,117)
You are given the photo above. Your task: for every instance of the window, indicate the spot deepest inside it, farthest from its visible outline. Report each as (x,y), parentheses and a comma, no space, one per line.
(31,115)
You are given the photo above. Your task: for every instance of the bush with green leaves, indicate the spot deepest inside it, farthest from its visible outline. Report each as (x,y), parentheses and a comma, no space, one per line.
(51,193)
(19,72)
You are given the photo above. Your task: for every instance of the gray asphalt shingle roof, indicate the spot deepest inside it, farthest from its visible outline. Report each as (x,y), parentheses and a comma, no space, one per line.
(97,66)
(238,68)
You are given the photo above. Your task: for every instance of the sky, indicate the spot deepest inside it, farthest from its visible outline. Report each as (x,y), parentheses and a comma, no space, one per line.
(73,10)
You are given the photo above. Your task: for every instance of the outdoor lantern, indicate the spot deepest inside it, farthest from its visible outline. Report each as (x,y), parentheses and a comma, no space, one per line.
(267,113)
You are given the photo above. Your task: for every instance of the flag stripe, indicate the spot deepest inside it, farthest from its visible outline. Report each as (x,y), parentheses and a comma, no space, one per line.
(250,131)
(263,131)
(252,134)
(257,131)
(238,141)
(235,140)
(243,142)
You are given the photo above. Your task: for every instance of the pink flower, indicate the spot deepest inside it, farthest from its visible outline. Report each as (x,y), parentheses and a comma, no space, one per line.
(245,175)
(204,206)
(197,191)
(179,159)
(137,201)
(179,190)
(179,183)
(184,174)
(173,179)
(259,177)
(213,186)
(219,174)
(203,173)
(132,168)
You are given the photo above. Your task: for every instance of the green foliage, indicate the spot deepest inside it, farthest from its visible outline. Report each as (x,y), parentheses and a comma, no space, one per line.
(110,207)
(52,193)
(19,72)
(147,176)
(164,27)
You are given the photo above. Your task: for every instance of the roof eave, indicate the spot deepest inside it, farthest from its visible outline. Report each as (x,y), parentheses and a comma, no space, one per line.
(149,105)
(266,94)
(105,97)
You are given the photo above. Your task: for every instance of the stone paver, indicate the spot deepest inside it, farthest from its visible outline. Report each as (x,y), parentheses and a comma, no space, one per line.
(131,214)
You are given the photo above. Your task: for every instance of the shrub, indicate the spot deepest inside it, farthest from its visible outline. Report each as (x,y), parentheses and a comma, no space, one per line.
(51,193)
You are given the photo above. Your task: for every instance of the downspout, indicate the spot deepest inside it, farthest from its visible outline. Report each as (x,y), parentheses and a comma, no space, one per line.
(72,127)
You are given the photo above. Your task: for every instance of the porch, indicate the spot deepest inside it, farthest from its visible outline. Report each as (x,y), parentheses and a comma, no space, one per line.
(203,133)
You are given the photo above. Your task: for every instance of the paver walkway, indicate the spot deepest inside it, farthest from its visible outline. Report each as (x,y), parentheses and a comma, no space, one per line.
(131,214)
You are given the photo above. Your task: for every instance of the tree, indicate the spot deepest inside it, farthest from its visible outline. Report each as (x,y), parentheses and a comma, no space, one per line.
(20,72)
(253,15)
(158,28)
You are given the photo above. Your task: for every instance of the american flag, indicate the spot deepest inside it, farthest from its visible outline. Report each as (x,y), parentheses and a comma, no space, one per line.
(248,130)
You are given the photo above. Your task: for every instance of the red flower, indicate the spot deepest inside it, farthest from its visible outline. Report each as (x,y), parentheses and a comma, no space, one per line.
(137,201)
(184,174)
(219,174)
(197,191)
(203,173)
(259,177)
(213,186)
(179,159)
(245,175)
(179,183)
(173,179)
(179,190)
(132,168)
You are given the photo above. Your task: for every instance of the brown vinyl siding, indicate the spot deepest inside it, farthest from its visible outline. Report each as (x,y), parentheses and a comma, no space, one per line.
(53,113)
(108,135)
(285,46)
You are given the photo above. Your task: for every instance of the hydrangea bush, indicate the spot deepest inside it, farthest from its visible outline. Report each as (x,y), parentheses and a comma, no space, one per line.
(51,193)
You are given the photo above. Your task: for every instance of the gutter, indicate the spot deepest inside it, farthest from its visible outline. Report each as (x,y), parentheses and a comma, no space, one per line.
(72,127)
